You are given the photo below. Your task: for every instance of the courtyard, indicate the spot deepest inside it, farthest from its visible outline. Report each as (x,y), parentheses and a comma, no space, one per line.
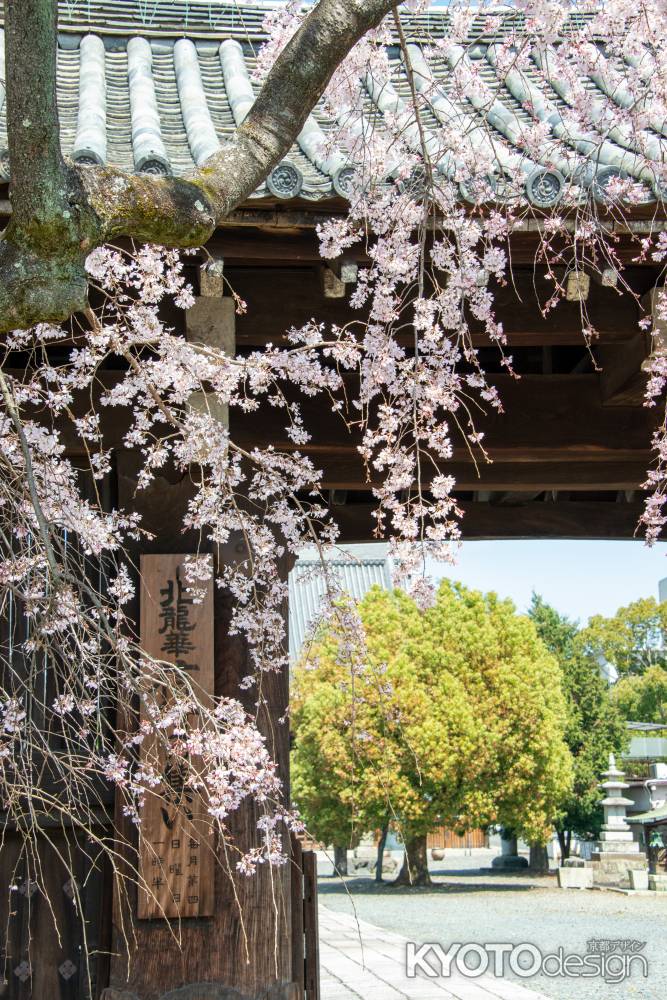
(469,905)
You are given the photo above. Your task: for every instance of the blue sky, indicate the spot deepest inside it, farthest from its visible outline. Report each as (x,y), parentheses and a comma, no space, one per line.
(580,578)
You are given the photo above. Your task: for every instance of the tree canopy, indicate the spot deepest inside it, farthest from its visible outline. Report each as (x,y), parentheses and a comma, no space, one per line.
(643,698)
(455,717)
(594,726)
(633,639)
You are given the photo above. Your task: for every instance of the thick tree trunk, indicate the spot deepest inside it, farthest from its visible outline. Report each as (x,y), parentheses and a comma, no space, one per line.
(414,870)
(539,858)
(564,841)
(340,860)
(61,211)
(382,842)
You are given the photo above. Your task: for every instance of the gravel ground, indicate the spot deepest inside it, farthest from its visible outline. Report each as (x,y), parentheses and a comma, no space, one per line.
(468,905)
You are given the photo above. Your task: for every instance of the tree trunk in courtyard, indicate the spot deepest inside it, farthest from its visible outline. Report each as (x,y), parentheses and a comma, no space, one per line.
(382,843)
(414,870)
(539,858)
(340,860)
(565,842)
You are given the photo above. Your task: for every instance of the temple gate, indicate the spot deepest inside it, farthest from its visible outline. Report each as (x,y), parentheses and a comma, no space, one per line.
(569,458)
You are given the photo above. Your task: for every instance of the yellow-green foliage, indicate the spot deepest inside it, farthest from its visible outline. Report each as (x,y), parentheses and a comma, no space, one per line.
(456,717)
(643,698)
(634,639)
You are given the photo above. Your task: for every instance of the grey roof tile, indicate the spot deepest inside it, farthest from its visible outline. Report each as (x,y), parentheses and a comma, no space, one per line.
(149,151)
(158,85)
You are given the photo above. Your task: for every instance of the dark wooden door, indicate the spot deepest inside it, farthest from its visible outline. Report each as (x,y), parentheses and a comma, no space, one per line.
(55,883)
(55,935)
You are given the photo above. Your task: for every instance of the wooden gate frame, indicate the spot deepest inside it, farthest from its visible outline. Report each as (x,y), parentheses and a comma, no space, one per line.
(305,927)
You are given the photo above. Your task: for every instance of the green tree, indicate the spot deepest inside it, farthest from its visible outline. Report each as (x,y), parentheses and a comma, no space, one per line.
(343,718)
(643,698)
(454,716)
(324,781)
(633,639)
(594,725)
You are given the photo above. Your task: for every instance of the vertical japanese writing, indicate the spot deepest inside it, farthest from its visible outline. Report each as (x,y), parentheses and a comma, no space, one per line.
(177,642)
(177,852)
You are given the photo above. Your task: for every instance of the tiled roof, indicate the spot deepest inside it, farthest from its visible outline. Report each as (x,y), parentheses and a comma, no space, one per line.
(159,85)
(654,816)
(364,567)
(231,18)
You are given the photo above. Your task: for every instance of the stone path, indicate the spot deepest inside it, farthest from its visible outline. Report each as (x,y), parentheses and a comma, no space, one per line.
(360,961)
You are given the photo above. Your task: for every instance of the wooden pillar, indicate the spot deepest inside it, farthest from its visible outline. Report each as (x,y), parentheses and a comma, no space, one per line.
(244,951)
(211,321)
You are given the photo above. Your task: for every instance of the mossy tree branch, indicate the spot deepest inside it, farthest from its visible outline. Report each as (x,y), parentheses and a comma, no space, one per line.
(61,210)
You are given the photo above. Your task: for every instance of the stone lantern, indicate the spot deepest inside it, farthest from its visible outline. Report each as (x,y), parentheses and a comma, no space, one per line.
(616,852)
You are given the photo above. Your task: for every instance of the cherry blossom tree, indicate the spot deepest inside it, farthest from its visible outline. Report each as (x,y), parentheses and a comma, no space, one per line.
(435,199)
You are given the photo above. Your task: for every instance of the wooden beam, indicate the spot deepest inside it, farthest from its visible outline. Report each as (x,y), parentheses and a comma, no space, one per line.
(547,418)
(344,472)
(269,246)
(556,434)
(562,519)
(288,295)
(537,519)
(281,235)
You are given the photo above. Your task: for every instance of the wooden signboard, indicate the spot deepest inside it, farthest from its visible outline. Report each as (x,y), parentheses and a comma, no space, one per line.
(176,861)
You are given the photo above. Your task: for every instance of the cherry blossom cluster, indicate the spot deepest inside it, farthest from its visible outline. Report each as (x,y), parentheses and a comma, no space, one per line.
(442,186)
(436,196)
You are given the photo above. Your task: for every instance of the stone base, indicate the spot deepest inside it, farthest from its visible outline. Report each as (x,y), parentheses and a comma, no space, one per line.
(389,866)
(638,879)
(620,856)
(509,862)
(658,883)
(616,847)
(575,878)
(612,869)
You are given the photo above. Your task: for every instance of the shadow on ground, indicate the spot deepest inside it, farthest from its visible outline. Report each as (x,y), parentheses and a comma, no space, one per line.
(332,885)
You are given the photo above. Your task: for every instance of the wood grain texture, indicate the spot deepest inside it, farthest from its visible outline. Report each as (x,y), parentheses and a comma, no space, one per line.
(445,838)
(246,944)
(176,861)
(311,926)
(282,296)
(44,950)
(251,236)
(546,418)
(298,953)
